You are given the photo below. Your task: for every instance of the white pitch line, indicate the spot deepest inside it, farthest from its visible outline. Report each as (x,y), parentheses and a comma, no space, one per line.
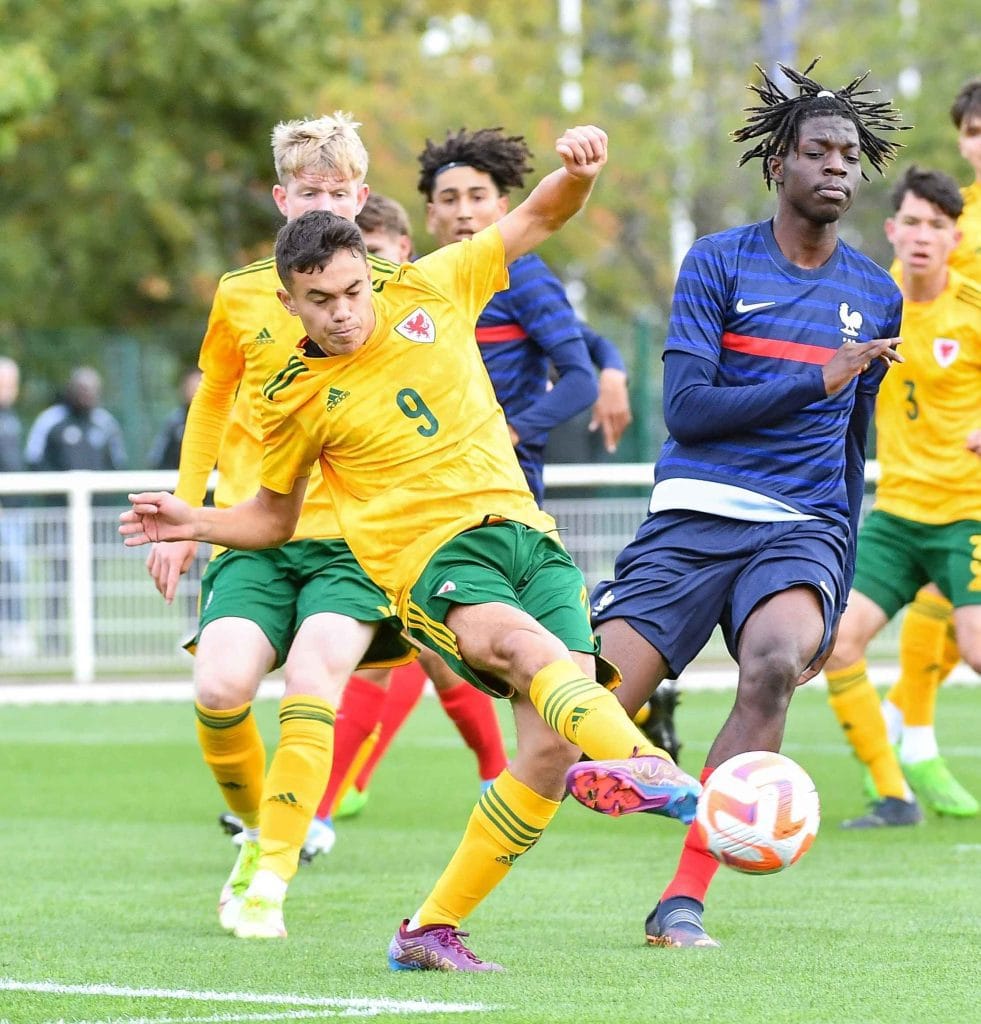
(222,1018)
(264,998)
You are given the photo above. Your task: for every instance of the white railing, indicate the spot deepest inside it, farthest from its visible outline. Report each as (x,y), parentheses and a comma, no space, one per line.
(75,603)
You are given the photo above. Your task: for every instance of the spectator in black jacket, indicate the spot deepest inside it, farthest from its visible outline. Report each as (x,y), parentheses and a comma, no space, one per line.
(77,433)
(11,458)
(166,450)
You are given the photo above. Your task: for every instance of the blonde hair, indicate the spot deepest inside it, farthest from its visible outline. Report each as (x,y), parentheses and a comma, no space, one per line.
(328,145)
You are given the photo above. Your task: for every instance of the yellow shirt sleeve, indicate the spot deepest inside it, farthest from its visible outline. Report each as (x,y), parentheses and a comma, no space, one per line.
(471,272)
(222,366)
(290,450)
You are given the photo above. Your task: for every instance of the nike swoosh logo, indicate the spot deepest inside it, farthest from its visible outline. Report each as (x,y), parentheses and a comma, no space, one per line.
(742,306)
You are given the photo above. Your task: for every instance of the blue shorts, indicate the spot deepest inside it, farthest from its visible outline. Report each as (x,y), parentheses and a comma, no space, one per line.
(687,572)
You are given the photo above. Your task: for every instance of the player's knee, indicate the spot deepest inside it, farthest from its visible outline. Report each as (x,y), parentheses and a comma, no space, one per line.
(849,648)
(321,673)
(971,653)
(768,679)
(220,692)
(526,650)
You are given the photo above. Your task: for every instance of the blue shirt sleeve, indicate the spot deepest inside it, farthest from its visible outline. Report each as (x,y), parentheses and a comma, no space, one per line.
(604,354)
(856,442)
(576,389)
(538,303)
(697,409)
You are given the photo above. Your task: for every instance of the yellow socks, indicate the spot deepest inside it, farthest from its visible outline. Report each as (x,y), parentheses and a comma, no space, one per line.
(856,705)
(927,655)
(296,780)
(507,821)
(234,751)
(586,713)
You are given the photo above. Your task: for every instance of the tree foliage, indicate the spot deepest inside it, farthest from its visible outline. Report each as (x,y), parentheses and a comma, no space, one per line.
(134,133)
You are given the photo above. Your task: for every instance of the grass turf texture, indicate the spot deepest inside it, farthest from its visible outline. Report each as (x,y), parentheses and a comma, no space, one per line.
(112,862)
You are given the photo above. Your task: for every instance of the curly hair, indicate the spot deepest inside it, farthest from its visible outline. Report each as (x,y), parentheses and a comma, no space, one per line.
(776,123)
(503,157)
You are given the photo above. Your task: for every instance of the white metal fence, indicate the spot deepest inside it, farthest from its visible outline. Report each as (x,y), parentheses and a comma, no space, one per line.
(75,603)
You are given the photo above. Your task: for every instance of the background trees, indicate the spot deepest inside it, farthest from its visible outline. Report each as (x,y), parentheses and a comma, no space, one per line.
(134,156)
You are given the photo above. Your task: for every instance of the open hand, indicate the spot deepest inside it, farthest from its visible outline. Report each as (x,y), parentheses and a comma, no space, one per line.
(155,516)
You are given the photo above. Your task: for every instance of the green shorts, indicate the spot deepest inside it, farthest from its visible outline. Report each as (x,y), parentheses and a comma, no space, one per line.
(277,588)
(897,556)
(512,564)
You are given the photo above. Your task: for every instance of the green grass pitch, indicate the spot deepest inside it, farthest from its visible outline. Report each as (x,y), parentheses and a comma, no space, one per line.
(112,862)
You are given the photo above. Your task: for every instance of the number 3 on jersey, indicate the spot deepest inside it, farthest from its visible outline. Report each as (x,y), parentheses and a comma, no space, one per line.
(412,406)
(912,406)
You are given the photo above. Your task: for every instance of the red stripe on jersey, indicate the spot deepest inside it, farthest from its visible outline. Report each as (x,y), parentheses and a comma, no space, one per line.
(501,332)
(792,350)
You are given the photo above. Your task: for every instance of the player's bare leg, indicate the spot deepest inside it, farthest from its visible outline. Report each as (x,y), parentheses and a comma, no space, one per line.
(778,641)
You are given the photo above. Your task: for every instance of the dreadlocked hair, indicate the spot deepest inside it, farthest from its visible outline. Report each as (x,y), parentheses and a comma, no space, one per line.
(776,123)
(503,157)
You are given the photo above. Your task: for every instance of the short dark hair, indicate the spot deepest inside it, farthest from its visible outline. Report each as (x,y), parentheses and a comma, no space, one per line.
(503,157)
(312,240)
(967,101)
(933,186)
(380,213)
(777,122)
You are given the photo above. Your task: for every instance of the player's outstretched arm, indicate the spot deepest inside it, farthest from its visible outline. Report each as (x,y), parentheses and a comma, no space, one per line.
(265,521)
(559,195)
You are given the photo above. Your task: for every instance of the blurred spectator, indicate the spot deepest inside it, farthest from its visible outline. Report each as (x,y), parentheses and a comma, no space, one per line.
(11,460)
(15,636)
(77,433)
(166,450)
(385,228)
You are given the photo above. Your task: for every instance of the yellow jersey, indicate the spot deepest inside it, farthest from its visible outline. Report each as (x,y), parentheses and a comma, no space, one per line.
(410,438)
(966,258)
(249,336)
(927,406)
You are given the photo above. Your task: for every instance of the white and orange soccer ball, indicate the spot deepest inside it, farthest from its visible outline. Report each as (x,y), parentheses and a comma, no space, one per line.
(759,812)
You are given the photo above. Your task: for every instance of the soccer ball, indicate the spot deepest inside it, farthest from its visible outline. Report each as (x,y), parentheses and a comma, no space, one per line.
(759,812)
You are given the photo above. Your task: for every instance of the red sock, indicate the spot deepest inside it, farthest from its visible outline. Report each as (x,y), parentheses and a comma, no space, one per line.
(408,682)
(356,718)
(474,715)
(696,866)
